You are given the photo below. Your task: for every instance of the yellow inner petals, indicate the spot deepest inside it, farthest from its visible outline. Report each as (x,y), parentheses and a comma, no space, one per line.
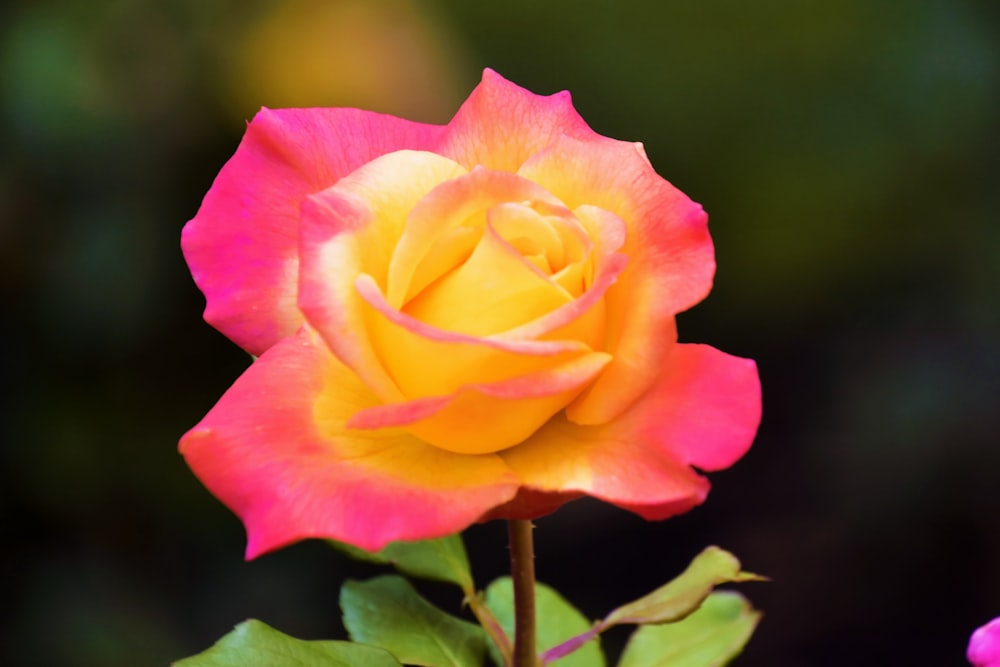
(486,255)
(494,290)
(501,269)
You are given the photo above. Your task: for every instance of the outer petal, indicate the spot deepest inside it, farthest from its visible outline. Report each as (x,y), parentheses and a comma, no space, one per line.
(671,259)
(531,504)
(501,124)
(242,245)
(704,412)
(276,451)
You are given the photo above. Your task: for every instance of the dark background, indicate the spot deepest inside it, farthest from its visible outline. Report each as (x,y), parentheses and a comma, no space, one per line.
(846,152)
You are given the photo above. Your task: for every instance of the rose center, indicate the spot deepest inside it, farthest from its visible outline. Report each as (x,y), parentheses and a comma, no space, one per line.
(513,264)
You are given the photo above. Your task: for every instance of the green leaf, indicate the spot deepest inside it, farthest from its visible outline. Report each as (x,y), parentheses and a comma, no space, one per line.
(255,643)
(710,637)
(556,621)
(387,611)
(681,596)
(442,559)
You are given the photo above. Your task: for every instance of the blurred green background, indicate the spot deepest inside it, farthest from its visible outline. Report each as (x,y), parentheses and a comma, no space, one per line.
(846,151)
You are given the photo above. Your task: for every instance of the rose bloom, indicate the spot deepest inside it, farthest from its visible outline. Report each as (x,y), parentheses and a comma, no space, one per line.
(455,323)
(984,645)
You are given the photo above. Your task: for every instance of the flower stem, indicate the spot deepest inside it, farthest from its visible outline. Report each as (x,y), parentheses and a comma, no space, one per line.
(492,627)
(522,570)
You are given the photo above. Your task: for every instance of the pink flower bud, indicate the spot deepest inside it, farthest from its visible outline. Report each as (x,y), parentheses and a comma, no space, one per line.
(984,645)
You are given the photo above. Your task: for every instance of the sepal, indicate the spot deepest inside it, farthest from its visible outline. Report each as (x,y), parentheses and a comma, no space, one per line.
(442,559)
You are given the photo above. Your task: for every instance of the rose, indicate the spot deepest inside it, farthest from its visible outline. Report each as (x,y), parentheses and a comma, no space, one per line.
(455,323)
(984,645)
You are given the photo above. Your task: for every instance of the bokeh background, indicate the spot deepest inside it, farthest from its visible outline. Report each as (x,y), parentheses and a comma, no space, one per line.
(846,151)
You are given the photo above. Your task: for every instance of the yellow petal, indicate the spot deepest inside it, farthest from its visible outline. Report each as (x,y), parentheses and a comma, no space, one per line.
(351,228)
(484,418)
(425,361)
(496,289)
(461,202)
(449,250)
(387,189)
(528,232)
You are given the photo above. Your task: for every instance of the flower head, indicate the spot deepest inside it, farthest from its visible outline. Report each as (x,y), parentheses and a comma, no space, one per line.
(455,323)
(984,645)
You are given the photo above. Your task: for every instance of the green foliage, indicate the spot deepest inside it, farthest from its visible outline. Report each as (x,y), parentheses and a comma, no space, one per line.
(720,628)
(686,624)
(255,643)
(388,612)
(556,622)
(681,596)
(442,559)
(710,637)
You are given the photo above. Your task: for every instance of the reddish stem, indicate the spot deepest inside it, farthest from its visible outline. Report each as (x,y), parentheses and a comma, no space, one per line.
(522,571)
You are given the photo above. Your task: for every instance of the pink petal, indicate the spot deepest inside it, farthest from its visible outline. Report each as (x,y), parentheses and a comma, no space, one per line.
(671,260)
(501,124)
(617,468)
(530,504)
(242,245)
(705,408)
(276,451)
(984,645)
(703,411)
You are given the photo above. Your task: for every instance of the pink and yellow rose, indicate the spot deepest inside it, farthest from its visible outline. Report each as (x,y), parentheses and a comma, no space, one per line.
(455,323)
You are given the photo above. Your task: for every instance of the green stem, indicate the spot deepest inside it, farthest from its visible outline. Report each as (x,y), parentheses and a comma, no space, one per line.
(492,627)
(522,570)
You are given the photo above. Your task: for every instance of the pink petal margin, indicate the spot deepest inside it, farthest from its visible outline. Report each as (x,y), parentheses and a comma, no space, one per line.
(671,259)
(704,411)
(242,245)
(501,125)
(275,451)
